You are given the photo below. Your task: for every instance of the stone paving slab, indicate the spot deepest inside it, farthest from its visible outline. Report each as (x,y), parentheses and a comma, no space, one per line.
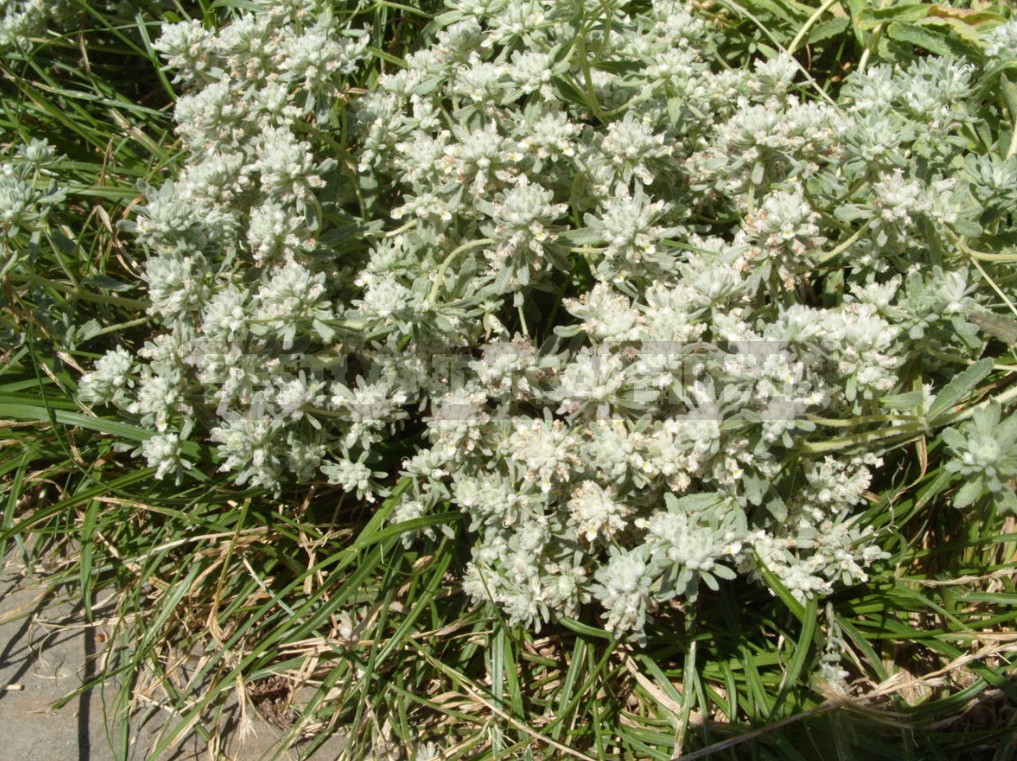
(46,654)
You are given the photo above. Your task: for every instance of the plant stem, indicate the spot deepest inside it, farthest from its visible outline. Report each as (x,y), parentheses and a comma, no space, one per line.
(439,276)
(840,249)
(803,32)
(873,43)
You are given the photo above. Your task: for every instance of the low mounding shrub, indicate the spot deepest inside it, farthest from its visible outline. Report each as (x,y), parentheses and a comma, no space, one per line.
(25,22)
(648,322)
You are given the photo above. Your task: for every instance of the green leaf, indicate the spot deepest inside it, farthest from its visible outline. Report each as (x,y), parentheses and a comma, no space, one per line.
(969,493)
(907,401)
(693,503)
(934,488)
(777,587)
(569,91)
(999,327)
(799,656)
(967,332)
(777,508)
(63,243)
(398,529)
(828,29)
(927,39)
(868,18)
(758,172)
(106,283)
(1007,501)
(675,110)
(584,629)
(789,13)
(954,439)
(958,388)
(755,488)
(88,530)
(387,57)
(101,425)
(914,35)
(963,33)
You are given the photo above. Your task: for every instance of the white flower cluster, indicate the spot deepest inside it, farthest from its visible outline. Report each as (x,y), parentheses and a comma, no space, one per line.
(619,302)
(1001,42)
(985,454)
(20,20)
(29,190)
(251,312)
(23,22)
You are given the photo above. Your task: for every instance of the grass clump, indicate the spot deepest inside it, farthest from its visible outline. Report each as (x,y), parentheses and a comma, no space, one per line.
(524,379)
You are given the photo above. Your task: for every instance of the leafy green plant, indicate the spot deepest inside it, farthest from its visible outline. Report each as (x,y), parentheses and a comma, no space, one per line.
(435,333)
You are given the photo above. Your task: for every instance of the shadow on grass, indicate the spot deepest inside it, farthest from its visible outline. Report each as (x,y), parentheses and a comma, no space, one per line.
(985,731)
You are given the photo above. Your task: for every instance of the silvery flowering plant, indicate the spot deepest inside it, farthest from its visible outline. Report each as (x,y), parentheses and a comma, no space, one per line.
(649,323)
(29,193)
(23,23)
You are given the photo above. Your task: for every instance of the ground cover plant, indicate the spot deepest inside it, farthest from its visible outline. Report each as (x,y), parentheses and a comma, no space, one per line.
(522,379)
